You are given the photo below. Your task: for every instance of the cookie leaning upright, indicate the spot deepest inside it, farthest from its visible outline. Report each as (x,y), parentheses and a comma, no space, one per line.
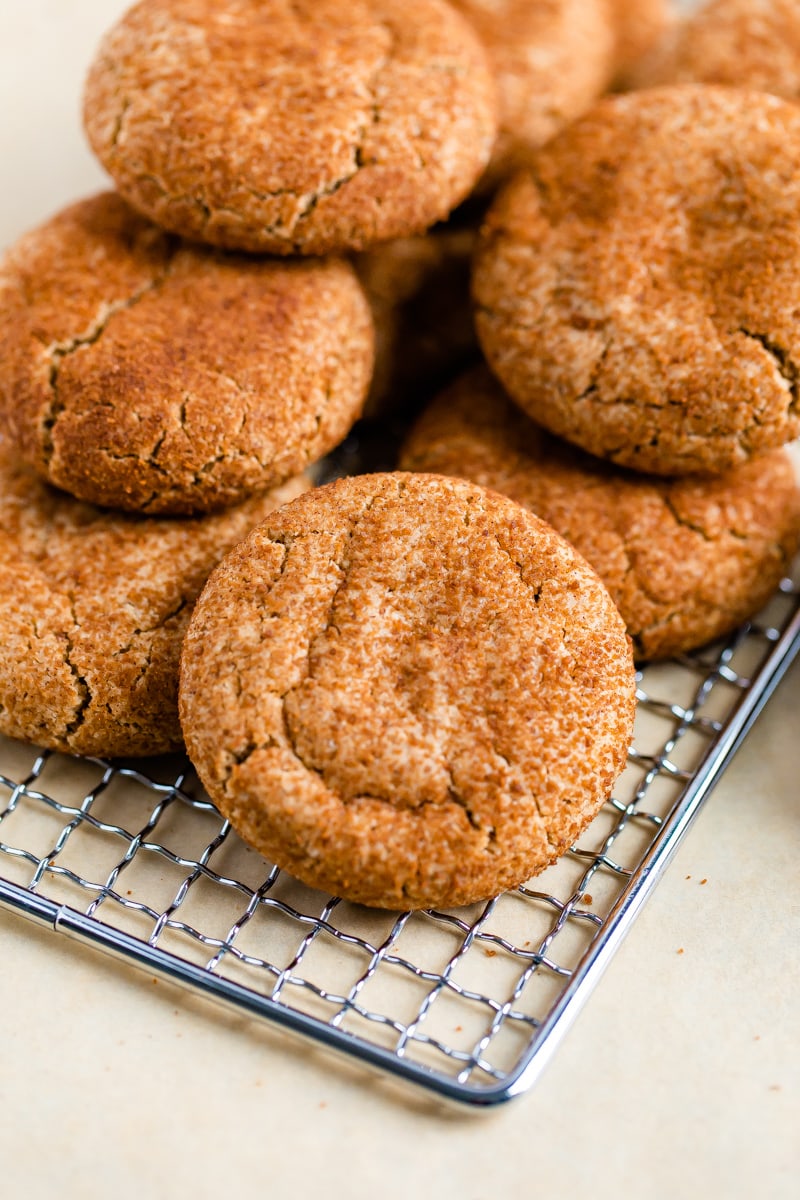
(635,289)
(407,691)
(292,128)
(151,375)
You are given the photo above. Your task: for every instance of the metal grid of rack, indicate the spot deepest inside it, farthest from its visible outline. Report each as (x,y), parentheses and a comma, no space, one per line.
(133,858)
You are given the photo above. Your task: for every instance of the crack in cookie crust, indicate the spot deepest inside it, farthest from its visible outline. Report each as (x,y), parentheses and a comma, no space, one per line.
(633,290)
(382,690)
(93,608)
(165,378)
(685,560)
(378,118)
(58,351)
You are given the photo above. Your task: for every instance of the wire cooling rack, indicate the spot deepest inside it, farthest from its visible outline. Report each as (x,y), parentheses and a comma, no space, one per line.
(134,859)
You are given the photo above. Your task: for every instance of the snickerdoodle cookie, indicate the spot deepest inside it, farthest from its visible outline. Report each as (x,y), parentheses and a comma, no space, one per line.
(155,376)
(407,691)
(685,560)
(418,289)
(636,290)
(640,26)
(551,58)
(292,128)
(93,608)
(743,43)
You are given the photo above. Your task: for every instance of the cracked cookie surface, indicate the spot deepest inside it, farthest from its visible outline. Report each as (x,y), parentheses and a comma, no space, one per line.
(407,690)
(635,290)
(551,59)
(685,560)
(93,609)
(292,127)
(151,375)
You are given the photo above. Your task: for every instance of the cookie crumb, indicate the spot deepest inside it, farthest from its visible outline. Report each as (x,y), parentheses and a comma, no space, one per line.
(680,950)
(587,897)
(702,881)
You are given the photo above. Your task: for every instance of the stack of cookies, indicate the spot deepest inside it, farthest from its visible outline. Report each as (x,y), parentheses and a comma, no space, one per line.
(636,292)
(405,688)
(180,351)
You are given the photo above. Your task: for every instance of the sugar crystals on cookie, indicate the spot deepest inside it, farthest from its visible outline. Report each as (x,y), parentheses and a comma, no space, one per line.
(158,376)
(407,691)
(635,289)
(303,128)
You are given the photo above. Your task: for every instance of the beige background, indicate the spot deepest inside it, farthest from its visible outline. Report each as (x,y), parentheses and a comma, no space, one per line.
(680,1077)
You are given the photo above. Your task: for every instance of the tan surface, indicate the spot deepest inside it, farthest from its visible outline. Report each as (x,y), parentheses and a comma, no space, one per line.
(634,290)
(377,117)
(407,691)
(681,1077)
(157,376)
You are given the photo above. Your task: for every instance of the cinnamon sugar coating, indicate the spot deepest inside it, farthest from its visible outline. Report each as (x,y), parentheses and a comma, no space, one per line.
(551,59)
(301,127)
(636,289)
(407,691)
(93,609)
(685,560)
(156,376)
(741,43)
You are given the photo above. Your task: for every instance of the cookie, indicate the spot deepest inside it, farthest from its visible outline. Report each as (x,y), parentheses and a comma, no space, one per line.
(407,691)
(292,128)
(635,289)
(551,59)
(150,375)
(740,43)
(685,560)
(418,289)
(640,26)
(93,608)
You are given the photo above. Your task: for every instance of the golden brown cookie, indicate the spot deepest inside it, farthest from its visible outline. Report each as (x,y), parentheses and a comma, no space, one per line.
(685,560)
(551,58)
(143,373)
(292,128)
(636,289)
(93,609)
(418,289)
(741,43)
(640,26)
(407,691)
